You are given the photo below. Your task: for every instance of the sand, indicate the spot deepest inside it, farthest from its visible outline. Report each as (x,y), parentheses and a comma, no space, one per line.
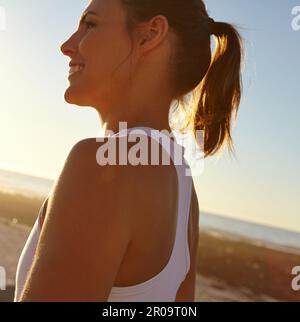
(259,271)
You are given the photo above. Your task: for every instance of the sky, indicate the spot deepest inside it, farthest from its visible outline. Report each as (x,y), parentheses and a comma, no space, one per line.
(38,128)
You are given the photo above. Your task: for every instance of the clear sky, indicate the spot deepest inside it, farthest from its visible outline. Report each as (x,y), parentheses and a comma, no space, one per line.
(37,127)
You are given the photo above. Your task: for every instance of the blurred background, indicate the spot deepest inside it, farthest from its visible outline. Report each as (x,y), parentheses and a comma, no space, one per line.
(249,206)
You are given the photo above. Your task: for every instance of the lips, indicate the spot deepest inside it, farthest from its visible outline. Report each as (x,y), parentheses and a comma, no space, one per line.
(75,68)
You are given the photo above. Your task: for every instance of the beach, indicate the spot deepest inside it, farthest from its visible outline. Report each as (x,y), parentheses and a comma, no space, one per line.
(230,268)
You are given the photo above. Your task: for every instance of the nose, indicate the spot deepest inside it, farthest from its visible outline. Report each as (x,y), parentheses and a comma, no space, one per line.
(68,48)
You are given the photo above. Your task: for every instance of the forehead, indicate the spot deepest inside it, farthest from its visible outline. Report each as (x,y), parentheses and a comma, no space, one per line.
(105,7)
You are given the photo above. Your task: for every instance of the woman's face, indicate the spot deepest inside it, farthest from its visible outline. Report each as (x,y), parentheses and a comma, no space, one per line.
(101,45)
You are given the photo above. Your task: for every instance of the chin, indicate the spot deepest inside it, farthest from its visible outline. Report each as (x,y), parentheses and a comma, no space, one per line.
(74,98)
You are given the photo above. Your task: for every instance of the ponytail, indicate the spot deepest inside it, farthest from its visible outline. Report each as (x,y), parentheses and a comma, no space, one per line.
(220,90)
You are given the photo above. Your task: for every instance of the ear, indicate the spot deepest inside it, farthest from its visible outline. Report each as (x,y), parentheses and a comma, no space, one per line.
(154,32)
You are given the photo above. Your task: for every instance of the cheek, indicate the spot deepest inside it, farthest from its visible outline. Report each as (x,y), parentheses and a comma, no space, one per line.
(107,55)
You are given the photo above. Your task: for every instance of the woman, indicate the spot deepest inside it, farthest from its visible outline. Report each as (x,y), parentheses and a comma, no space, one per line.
(100,235)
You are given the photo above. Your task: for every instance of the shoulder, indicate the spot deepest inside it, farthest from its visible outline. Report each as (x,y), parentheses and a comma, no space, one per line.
(125,190)
(85,183)
(84,227)
(84,164)
(102,155)
(83,180)
(89,195)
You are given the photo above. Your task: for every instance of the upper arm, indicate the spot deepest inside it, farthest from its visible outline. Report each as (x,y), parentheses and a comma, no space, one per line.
(84,236)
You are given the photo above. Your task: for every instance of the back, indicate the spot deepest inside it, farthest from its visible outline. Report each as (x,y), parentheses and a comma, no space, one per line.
(158,260)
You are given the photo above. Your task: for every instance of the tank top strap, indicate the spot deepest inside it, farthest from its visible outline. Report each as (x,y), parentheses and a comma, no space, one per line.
(176,152)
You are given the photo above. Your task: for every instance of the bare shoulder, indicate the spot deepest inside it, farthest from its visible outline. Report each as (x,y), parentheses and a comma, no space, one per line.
(84,227)
(86,183)
(84,161)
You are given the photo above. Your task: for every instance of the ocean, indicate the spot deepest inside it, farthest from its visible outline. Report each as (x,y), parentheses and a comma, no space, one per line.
(17,183)
(258,233)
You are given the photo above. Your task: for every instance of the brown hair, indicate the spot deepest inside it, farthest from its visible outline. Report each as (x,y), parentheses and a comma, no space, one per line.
(215,79)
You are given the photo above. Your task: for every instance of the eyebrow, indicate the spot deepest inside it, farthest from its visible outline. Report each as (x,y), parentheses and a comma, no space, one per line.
(84,15)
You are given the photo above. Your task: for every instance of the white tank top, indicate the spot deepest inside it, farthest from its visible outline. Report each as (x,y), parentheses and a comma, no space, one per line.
(162,287)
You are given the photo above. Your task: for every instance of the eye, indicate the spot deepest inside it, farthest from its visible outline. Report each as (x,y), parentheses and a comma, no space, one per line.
(90,24)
